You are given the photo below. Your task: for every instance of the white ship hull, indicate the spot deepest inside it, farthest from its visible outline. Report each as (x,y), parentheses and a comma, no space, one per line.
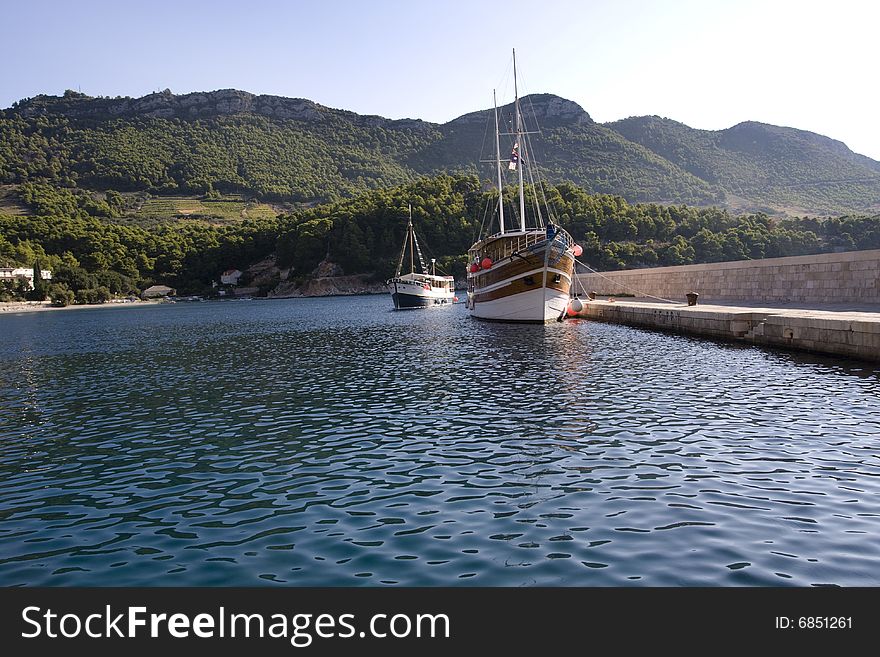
(418,290)
(538,305)
(407,294)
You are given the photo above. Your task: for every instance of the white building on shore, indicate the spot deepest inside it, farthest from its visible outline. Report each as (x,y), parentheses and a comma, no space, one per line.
(25,273)
(230,277)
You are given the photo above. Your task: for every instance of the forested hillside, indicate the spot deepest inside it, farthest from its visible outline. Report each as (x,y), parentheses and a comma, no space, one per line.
(305,155)
(760,165)
(91,256)
(292,151)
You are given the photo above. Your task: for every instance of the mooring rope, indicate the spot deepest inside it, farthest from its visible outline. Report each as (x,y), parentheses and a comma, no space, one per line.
(640,293)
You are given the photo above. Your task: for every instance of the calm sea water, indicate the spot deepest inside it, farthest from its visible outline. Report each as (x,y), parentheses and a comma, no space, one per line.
(336,442)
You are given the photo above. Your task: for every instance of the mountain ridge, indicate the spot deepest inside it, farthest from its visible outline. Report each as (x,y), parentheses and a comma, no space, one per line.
(299,150)
(760,160)
(193,105)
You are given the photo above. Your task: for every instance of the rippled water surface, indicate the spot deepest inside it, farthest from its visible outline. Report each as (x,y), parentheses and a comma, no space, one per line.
(336,442)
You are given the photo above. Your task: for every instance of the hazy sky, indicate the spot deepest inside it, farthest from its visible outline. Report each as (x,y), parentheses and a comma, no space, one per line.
(710,64)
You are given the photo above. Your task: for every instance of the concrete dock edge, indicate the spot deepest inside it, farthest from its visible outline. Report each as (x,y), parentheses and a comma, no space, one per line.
(848,334)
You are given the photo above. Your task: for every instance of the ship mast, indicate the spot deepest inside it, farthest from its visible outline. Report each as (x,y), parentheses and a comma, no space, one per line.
(498,162)
(412,266)
(521,149)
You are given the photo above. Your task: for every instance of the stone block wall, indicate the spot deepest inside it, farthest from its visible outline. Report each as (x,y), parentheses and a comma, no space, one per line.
(850,277)
(849,334)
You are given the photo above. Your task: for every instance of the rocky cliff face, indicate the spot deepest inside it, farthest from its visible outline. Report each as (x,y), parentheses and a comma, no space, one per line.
(223,102)
(328,286)
(218,103)
(545,108)
(326,280)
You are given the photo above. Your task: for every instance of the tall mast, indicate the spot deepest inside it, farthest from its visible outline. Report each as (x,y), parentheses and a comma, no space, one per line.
(498,162)
(521,159)
(412,266)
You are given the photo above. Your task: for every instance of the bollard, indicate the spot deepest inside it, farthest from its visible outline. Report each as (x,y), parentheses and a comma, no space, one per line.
(592,295)
(692,298)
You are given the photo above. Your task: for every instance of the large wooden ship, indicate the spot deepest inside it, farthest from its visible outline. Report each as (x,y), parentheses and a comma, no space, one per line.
(523,274)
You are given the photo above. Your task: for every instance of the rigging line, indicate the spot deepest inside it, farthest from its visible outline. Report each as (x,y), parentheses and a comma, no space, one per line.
(537,169)
(428,250)
(538,130)
(485,132)
(649,296)
(426,247)
(503,83)
(431,253)
(514,212)
(479,235)
(551,211)
(419,251)
(402,253)
(525,164)
(534,114)
(575,283)
(540,185)
(539,220)
(551,215)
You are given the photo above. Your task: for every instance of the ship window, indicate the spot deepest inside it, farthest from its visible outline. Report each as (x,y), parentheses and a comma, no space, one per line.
(529,280)
(557,278)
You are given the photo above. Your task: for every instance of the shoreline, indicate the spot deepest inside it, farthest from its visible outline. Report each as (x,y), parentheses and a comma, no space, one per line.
(20,307)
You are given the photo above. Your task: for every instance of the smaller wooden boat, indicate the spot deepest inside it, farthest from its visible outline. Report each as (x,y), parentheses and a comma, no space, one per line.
(418,289)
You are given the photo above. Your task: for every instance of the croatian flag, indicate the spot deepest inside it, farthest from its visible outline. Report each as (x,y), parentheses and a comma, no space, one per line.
(514,158)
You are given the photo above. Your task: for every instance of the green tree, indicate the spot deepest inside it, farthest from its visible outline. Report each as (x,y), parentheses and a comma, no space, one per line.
(61,296)
(40,289)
